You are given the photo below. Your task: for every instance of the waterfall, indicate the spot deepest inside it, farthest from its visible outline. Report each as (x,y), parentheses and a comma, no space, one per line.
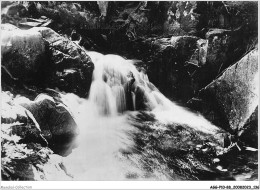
(105,131)
(111,76)
(120,97)
(101,95)
(109,88)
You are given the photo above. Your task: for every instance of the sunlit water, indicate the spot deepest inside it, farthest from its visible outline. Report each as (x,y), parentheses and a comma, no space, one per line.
(105,130)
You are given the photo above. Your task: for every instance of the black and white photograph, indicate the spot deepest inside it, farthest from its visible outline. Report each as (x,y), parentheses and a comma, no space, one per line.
(130,91)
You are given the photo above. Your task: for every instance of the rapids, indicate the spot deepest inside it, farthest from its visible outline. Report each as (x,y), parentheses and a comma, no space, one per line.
(106,132)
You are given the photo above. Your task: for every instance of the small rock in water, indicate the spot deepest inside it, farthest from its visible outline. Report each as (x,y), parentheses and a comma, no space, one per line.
(219,153)
(221,169)
(251,149)
(198,147)
(216,160)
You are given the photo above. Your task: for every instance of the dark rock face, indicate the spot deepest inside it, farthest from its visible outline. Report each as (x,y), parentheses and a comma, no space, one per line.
(218,45)
(56,123)
(170,63)
(16,9)
(141,99)
(223,48)
(216,55)
(181,65)
(44,58)
(71,65)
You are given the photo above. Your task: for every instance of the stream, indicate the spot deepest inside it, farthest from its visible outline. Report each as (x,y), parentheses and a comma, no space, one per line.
(117,142)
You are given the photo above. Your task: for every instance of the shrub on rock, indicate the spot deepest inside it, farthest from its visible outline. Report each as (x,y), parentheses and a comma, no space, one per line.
(24,151)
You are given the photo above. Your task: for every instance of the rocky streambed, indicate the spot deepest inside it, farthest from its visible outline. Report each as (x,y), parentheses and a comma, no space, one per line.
(179,101)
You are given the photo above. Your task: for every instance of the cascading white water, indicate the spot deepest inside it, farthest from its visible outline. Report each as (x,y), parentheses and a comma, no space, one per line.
(104,128)
(107,86)
(119,94)
(111,75)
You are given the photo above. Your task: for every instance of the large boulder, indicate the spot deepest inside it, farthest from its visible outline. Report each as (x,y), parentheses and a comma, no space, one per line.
(55,120)
(23,52)
(237,90)
(45,120)
(235,96)
(24,151)
(42,57)
(72,67)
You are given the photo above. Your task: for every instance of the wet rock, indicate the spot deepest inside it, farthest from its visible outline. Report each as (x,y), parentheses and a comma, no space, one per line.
(236,92)
(24,151)
(129,94)
(141,101)
(170,63)
(24,48)
(43,58)
(72,67)
(55,121)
